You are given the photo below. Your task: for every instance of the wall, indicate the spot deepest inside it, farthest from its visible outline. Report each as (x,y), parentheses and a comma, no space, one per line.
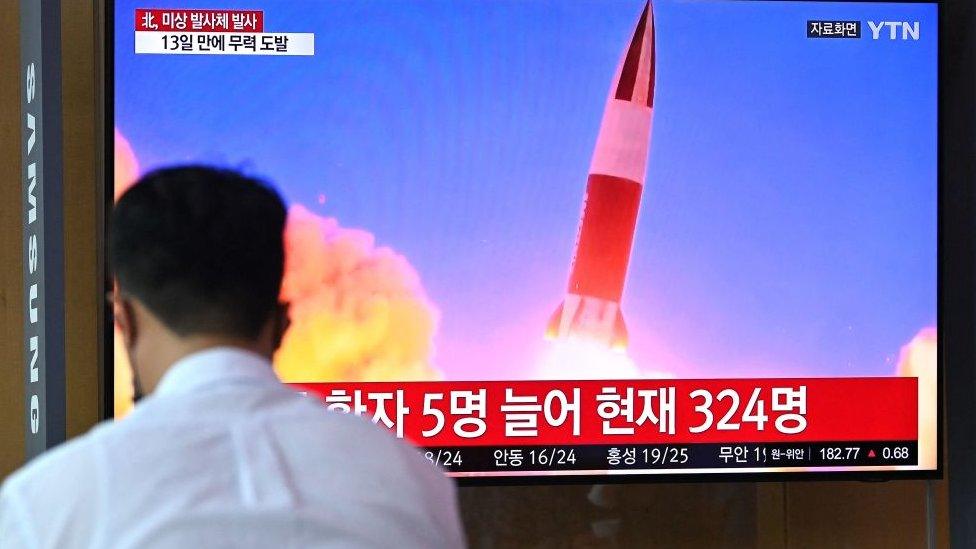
(81,215)
(81,201)
(11,277)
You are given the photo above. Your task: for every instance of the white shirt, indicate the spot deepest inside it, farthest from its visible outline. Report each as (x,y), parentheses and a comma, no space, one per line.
(223,455)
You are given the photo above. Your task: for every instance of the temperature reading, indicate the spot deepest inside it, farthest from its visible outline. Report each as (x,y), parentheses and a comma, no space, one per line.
(444,458)
(666,455)
(552,456)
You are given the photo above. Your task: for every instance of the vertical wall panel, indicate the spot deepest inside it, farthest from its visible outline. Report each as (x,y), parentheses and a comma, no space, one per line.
(81,228)
(11,274)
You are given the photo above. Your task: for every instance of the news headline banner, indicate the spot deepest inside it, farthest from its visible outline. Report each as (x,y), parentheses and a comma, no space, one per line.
(214,32)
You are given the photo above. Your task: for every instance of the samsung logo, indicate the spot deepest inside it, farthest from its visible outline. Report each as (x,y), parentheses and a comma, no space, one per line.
(30,232)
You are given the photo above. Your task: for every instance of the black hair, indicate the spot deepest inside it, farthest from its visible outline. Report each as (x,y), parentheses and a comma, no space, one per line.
(202,248)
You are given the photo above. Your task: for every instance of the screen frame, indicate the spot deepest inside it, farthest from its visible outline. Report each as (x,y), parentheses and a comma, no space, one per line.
(952,233)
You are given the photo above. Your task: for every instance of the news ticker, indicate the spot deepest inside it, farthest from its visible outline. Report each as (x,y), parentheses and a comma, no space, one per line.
(630,457)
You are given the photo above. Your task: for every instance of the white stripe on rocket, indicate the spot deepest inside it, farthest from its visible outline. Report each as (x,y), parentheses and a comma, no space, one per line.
(621,146)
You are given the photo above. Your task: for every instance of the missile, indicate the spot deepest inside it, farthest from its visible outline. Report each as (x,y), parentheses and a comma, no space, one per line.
(591,308)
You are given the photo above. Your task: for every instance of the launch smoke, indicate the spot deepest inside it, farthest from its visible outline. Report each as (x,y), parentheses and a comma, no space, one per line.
(358,311)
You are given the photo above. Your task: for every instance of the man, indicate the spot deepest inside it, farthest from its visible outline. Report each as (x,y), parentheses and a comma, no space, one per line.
(220,453)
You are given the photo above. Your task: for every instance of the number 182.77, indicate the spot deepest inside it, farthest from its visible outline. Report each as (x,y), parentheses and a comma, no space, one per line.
(839,454)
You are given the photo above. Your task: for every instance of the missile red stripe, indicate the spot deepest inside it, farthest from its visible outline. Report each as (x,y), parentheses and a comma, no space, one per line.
(606,237)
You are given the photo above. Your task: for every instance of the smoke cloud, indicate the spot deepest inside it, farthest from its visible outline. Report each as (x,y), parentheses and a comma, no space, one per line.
(126,165)
(126,173)
(358,311)
(919,358)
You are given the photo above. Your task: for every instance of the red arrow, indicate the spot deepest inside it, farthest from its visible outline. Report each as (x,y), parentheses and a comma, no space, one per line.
(871,454)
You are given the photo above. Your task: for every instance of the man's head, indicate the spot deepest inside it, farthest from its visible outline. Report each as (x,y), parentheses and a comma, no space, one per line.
(197,256)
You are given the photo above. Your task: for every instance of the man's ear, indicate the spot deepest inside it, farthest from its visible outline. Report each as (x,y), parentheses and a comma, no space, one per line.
(281,324)
(125,317)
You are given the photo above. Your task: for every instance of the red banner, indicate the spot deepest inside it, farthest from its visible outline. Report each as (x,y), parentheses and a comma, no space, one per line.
(162,20)
(650,411)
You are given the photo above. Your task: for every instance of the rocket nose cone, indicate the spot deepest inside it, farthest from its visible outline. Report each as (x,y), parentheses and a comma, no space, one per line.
(636,80)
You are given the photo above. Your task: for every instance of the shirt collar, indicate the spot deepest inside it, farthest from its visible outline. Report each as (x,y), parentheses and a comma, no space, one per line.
(217,365)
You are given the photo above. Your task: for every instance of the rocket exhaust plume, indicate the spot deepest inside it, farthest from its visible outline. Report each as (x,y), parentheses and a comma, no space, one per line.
(919,359)
(126,173)
(591,308)
(126,165)
(359,311)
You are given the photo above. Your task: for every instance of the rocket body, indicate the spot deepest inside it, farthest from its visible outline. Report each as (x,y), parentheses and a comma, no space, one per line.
(591,308)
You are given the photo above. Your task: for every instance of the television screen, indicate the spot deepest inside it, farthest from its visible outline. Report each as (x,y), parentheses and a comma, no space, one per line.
(559,239)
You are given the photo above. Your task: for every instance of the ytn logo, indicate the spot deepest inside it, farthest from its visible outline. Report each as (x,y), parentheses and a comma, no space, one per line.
(908,29)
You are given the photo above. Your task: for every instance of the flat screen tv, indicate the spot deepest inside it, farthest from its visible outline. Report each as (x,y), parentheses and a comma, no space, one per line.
(574,240)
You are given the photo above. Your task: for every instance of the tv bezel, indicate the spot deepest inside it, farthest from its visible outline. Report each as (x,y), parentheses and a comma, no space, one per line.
(954,227)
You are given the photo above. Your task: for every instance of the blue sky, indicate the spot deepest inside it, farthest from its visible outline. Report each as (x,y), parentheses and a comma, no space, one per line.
(788,225)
